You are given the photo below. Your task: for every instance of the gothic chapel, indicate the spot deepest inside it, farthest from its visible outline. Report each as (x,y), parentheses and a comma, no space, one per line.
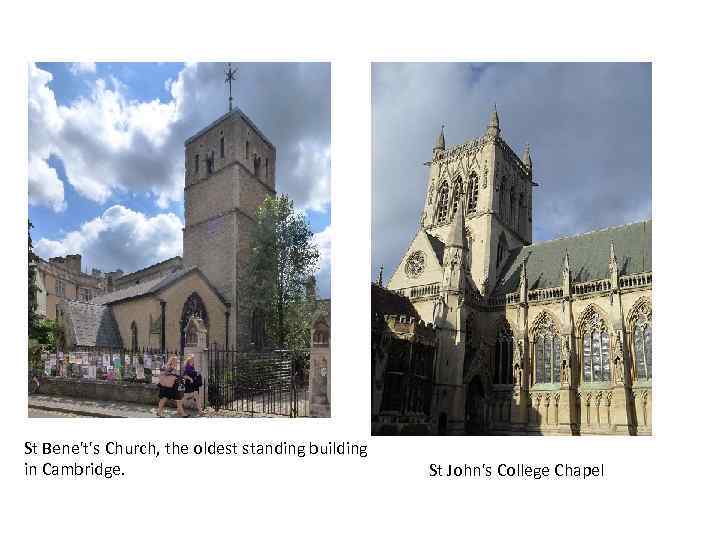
(531,338)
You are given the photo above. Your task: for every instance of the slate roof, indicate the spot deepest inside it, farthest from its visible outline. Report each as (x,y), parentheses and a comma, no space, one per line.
(151,286)
(387,302)
(217,122)
(589,254)
(438,246)
(91,325)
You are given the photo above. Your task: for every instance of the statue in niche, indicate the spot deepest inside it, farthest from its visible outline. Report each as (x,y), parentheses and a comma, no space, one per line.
(518,363)
(619,370)
(619,357)
(518,374)
(438,309)
(565,360)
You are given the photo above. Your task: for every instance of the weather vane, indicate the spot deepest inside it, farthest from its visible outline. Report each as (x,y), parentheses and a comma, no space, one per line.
(229,78)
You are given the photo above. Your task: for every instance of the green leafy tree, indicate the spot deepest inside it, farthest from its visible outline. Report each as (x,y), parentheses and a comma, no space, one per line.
(33,318)
(282,261)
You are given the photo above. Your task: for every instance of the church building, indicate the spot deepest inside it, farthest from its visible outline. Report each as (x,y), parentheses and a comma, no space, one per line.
(229,171)
(551,337)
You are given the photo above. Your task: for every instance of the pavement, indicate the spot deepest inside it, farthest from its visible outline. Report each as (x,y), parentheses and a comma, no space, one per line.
(41,406)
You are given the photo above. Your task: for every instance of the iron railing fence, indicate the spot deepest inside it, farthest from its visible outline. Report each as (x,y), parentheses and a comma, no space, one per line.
(263,383)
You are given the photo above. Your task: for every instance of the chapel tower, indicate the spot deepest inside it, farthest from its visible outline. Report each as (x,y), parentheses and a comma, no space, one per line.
(495,187)
(229,171)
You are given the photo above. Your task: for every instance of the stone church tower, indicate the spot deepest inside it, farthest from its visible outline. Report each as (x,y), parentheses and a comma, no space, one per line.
(497,186)
(229,171)
(478,209)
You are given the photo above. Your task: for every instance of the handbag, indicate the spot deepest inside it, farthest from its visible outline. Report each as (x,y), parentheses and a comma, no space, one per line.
(167,380)
(181,386)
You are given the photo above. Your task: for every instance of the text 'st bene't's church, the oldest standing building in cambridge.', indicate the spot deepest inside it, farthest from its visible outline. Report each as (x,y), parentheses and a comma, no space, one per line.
(481,331)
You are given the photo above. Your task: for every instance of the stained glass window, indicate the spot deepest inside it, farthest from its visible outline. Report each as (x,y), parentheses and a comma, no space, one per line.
(503,357)
(456,195)
(547,352)
(443,203)
(643,348)
(472,193)
(596,351)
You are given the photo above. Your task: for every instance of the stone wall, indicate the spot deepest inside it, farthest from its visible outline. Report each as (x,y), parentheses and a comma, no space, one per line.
(139,311)
(146,394)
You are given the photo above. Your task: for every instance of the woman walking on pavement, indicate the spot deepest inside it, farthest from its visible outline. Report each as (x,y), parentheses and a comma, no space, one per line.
(193,382)
(168,388)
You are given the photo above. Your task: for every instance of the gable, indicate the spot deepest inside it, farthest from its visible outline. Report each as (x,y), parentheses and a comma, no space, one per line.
(433,249)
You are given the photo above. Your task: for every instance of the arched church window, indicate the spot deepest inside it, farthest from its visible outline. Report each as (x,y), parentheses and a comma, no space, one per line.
(472,193)
(596,353)
(513,213)
(133,336)
(194,306)
(457,188)
(501,205)
(502,373)
(443,195)
(642,346)
(210,162)
(547,351)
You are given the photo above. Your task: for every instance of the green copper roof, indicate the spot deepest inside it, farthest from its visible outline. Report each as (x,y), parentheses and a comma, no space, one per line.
(589,254)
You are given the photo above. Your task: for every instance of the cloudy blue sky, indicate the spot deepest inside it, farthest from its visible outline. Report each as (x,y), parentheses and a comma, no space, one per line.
(588,126)
(106,156)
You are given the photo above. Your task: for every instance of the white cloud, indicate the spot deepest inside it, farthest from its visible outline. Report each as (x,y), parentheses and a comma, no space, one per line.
(78,68)
(119,238)
(323,240)
(46,189)
(313,162)
(110,144)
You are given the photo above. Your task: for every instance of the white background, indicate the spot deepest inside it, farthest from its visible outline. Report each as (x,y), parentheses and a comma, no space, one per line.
(665,484)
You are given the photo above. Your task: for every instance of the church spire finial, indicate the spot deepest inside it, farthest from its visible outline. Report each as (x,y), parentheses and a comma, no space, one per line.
(613,260)
(380,276)
(229,78)
(566,276)
(613,269)
(526,159)
(440,144)
(493,127)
